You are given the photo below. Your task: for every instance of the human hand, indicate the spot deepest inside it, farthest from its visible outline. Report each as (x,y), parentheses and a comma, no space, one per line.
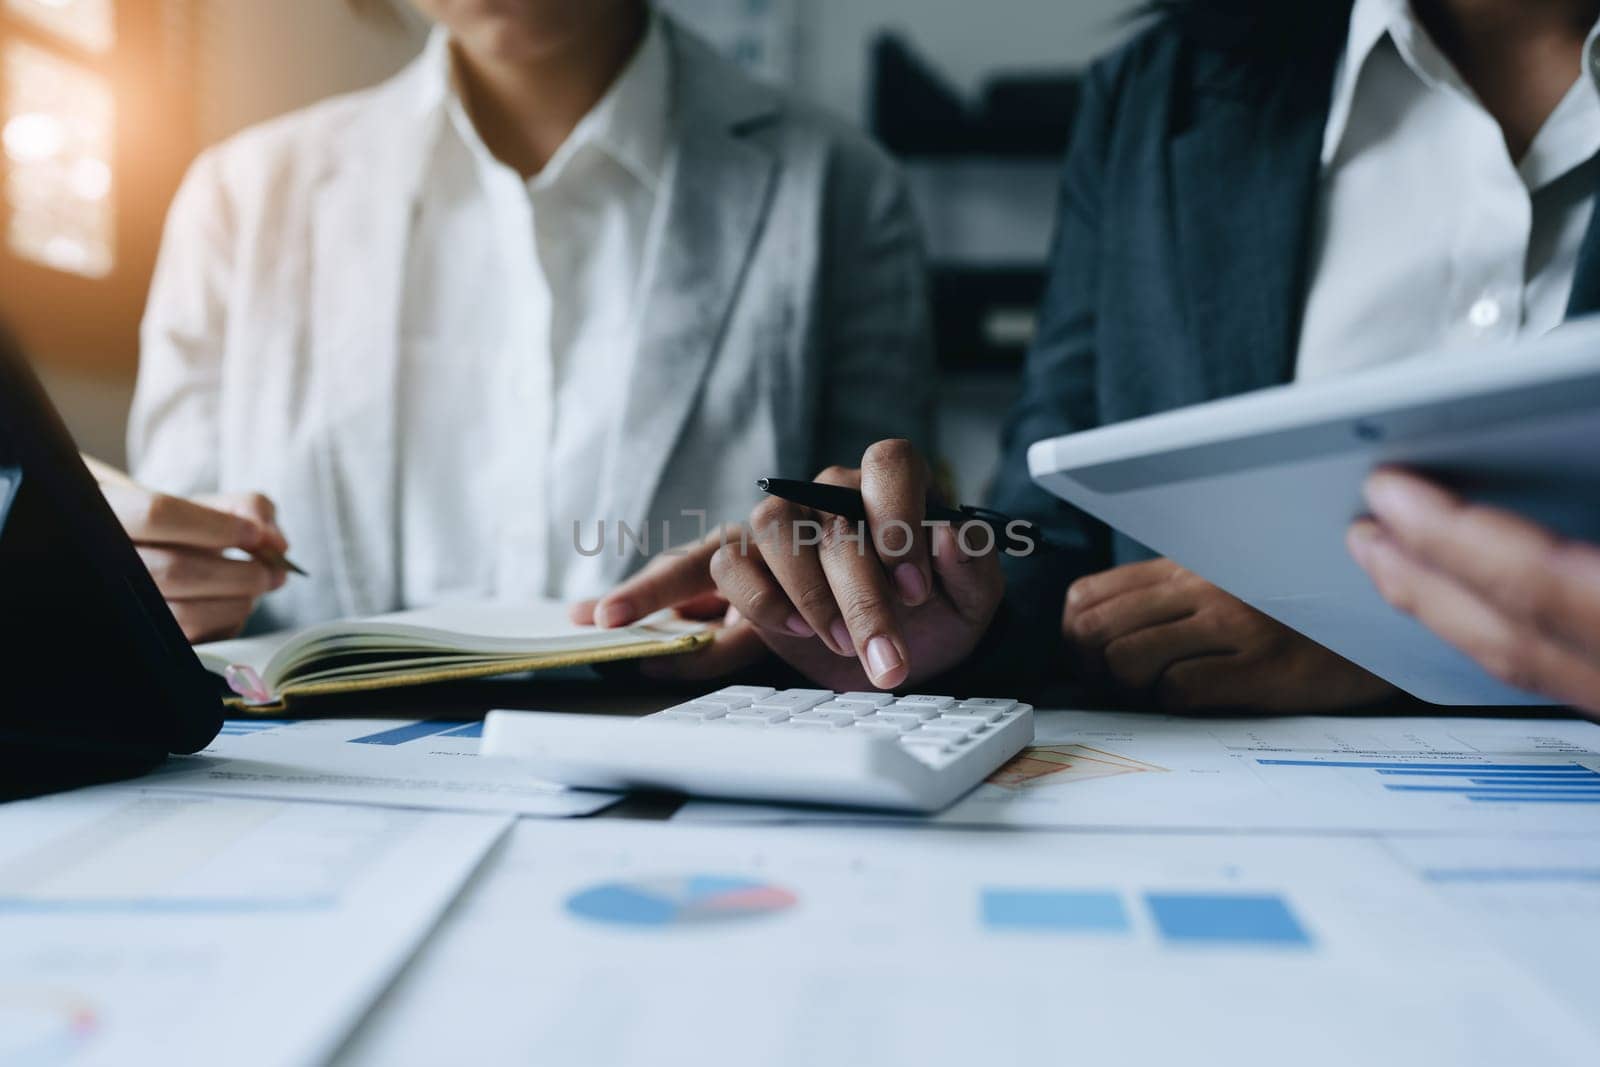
(900,604)
(680,579)
(182,543)
(1515,597)
(1157,629)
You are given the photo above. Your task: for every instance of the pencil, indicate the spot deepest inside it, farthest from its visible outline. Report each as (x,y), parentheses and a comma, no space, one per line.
(106,474)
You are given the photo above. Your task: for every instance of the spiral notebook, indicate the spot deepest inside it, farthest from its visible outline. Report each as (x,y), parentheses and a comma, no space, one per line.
(448,642)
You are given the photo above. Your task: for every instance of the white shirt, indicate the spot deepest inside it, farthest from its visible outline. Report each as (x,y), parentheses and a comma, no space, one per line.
(1429,233)
(520,311)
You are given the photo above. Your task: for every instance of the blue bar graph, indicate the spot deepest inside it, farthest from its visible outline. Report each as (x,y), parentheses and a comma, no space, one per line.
(1466,772)
(475,729)
(250,727)
(1477,875)
(1543,798)
(411,731)
(1579,789)
(1554,781)
(22,905)
(1072,911)
(1476,768)
(1217,918)
(1483,783)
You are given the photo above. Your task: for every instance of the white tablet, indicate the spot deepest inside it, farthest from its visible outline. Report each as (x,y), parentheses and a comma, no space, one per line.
(1255,492)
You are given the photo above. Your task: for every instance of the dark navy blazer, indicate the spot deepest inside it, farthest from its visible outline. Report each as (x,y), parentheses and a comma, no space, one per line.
(1178,270)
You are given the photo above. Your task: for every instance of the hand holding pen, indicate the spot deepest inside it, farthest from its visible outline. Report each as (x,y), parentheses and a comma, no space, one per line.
(185,544)
(908,601)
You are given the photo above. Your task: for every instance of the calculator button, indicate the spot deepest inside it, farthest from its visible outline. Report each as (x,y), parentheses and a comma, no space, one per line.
(857,711)
(964,722)
(726,700)
(921,711)
(698,708)
(910,718)
(943,733)
(898,723)
(995,704)
(983,714)
(793,700)
(754,692)
(872,726)
(927,701)
(825,718)
(876,700)
(758,714)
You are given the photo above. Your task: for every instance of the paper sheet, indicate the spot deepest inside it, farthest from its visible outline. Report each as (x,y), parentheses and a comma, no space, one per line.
(624,943)
(398,762)
(1318,773)
(1537,898)
(154,928)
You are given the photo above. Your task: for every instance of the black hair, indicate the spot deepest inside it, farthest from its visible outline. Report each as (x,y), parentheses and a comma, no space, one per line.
(1281,26)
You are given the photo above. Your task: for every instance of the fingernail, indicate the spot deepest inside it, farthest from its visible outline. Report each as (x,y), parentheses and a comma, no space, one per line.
(883,658)
(841,638)
(1364,540)
(909,579)
(613,613)
(798,626)
(1398,498)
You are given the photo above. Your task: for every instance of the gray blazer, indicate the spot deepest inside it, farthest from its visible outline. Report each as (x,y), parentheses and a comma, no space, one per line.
(786,325)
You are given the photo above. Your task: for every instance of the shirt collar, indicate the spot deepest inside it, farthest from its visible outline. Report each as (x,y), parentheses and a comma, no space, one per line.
(629,123)
(1372,21)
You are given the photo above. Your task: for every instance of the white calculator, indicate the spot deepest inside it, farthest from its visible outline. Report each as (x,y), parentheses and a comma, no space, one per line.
(810,746)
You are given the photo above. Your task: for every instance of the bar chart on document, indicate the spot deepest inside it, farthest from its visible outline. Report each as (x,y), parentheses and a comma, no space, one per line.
(958,948)
(1091,769)
(1314,773)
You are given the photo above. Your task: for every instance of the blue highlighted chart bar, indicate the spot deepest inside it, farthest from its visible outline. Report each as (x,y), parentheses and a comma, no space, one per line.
(411,731)
(1541,798)
(1069,911)
(1476,768)
(1501,783)
(1524,875)
(1462,772)
(1555,781)
(250,727)
(1231,918)
(1494,789)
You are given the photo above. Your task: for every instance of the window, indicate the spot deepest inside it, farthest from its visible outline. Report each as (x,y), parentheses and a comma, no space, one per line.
(58,144)
(96,127)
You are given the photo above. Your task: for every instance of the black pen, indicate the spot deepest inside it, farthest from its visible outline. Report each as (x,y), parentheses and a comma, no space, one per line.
(847,504)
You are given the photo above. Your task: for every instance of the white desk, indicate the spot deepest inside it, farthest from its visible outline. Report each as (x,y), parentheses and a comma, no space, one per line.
(1113,920)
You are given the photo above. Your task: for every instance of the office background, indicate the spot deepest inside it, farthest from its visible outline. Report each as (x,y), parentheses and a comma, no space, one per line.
(147,83)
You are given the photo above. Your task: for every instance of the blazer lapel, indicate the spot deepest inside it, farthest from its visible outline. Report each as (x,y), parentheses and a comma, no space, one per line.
(718,192)
(361,227)
(1585,298)
(1244,184)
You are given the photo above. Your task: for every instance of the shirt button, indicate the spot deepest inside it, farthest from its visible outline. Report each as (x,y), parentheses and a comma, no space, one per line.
(1485,314)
